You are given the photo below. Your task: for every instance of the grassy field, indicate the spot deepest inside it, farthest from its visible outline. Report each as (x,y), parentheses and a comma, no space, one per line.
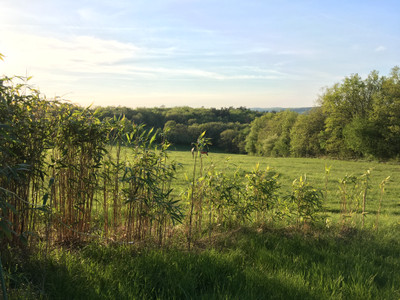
(248,262)
(292,168)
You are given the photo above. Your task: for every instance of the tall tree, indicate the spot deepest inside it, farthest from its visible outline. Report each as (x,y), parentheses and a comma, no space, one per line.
(270,134)
(343,103)
(385,117)
(305,136)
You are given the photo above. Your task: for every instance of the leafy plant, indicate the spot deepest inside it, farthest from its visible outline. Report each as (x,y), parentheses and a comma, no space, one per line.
(148,188)
(262,187)
(307,200)
(199,146)
(382,187)
(24,139)
(365,178)
(350,190)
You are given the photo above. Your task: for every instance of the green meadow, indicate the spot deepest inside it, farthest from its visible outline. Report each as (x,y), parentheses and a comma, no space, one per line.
(314,169)
(254,261)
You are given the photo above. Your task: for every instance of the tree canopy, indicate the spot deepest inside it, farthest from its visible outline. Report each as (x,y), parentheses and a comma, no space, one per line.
(357,118)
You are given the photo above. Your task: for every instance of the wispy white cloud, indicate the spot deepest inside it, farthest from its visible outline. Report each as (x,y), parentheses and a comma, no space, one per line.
(80,55)
(380,48)
(88,14)
(297,52)
(75,54)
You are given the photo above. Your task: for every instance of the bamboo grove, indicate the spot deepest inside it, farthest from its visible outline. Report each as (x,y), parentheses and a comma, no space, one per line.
(67,177)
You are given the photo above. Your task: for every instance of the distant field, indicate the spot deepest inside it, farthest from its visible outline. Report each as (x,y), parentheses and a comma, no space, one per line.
(292,168)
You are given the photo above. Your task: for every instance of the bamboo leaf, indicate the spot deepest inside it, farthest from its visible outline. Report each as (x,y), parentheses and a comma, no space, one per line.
(45,198)
(5,228)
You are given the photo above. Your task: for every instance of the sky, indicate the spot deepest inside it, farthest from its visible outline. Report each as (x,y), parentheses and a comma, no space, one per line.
(208,53)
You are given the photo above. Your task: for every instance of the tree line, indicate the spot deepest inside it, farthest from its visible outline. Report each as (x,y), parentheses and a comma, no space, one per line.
(227,128)
(356,118)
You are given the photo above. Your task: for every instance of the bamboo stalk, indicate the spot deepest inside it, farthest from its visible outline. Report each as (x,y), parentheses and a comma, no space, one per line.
(3,283)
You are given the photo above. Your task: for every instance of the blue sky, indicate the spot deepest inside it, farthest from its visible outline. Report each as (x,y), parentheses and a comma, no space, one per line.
(211,53)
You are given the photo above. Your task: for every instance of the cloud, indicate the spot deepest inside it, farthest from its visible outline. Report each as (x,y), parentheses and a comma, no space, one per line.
(87,14)
(86,68)
(380,48)
(75,53)
(297,52)
(80,56)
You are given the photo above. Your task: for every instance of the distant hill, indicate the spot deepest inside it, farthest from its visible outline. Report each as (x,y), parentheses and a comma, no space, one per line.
(300,110)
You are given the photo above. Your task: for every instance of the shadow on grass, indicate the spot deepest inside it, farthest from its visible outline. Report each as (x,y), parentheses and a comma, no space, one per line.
(247,264)
(168,274)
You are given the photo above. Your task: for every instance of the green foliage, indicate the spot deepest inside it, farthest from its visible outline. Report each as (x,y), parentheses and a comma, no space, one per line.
(234,140)
(385,117)
(362,115)
(186,123)
(361,136)
(382,187)
(147,191)
(305,135)
(358,118)
(55,168)
(196,190)
(307,200)
(79,149)
(228,202)
(25,136)
(262,188)
(342,103)
(252,140)
(270,134)
(353,191)
(350,191)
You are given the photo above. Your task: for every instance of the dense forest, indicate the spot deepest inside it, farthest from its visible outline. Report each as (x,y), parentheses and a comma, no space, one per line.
(227,128)
(356,118)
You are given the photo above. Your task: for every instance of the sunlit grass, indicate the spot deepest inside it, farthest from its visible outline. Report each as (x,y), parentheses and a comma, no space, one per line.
(292,168)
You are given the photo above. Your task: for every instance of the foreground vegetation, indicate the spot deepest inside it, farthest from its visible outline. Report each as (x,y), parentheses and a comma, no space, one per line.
(248,263)
(261,260)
